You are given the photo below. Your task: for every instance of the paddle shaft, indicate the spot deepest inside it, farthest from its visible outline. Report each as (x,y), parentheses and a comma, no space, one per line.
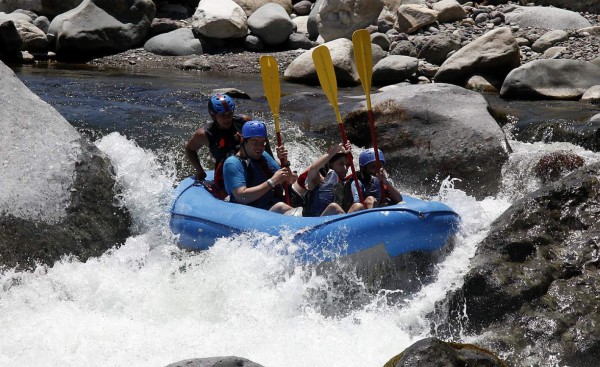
(363,56)
(270,76)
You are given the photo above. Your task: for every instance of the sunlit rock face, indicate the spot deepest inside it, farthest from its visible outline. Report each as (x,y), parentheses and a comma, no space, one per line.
(57,192)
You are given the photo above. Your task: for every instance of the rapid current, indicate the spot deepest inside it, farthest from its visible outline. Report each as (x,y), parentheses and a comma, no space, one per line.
(148,303)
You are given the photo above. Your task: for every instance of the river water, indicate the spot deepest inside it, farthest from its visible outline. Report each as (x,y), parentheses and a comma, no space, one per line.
(149,304)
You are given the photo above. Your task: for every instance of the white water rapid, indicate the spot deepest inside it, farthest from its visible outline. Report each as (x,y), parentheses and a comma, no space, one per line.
(148,303)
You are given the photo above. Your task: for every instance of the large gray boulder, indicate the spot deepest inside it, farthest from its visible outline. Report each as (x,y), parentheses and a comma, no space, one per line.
(551,79)
(427,132)
(492,55)
(436,47)
(180,42)
(222,19)
(40,7)
(533,283)
(102,27)
(271,23)
(229,361)
(545,17)
(58,193)
(340,18)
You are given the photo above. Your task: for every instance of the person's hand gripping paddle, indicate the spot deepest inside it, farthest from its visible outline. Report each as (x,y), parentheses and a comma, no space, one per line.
(363,56)
(325,72)
(270,78)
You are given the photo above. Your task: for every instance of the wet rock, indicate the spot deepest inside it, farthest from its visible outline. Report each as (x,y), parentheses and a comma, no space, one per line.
(533,283)
(422,138)
(434,352)
(58,192)
(216,362)
(553,166)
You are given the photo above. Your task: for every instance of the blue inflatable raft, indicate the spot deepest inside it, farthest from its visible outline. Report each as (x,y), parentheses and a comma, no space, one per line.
(412,225)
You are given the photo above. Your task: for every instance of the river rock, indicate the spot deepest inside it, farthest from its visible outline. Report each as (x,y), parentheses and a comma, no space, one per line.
(592,94)
(434,352)
(551,79)
(410,18)
(10,40)
(592,6)
(229,361)
(492,55)
(302,69)
(42,22)
(271,23)
(41,7)
(394,69)
(222,19)
(533,283)
(595,119)
(250,6)
(549,39)
(101,27)
(449,11)
(547,18)
(34,39)
(340,18)
(423,139)
(301,23)
(58,192)
(302,7)
(300,41)
(180,42)
(435,48)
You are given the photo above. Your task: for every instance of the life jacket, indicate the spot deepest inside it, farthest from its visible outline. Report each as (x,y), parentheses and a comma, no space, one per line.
(369,186)
(223,143)
(327,192)
(257,172)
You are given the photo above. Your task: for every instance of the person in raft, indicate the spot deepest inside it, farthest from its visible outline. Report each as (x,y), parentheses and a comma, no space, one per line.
(252,177)
(324,183)
(221,135)
(369,177)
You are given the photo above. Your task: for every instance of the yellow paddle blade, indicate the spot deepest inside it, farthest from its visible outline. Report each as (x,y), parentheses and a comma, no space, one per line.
(325,72)
(363,56)
(270,78)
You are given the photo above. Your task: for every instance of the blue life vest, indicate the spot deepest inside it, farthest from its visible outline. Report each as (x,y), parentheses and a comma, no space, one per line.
(322,195)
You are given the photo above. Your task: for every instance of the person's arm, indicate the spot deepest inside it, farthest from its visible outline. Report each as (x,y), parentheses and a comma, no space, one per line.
(197,141)
(246,195)
(392,192)
(313,179)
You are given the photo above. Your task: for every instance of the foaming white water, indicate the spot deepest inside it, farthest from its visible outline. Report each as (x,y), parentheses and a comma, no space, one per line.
(150,304)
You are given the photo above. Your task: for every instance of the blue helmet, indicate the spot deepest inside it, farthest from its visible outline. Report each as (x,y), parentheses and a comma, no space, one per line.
(221,103)
(254,129)
(368,156)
